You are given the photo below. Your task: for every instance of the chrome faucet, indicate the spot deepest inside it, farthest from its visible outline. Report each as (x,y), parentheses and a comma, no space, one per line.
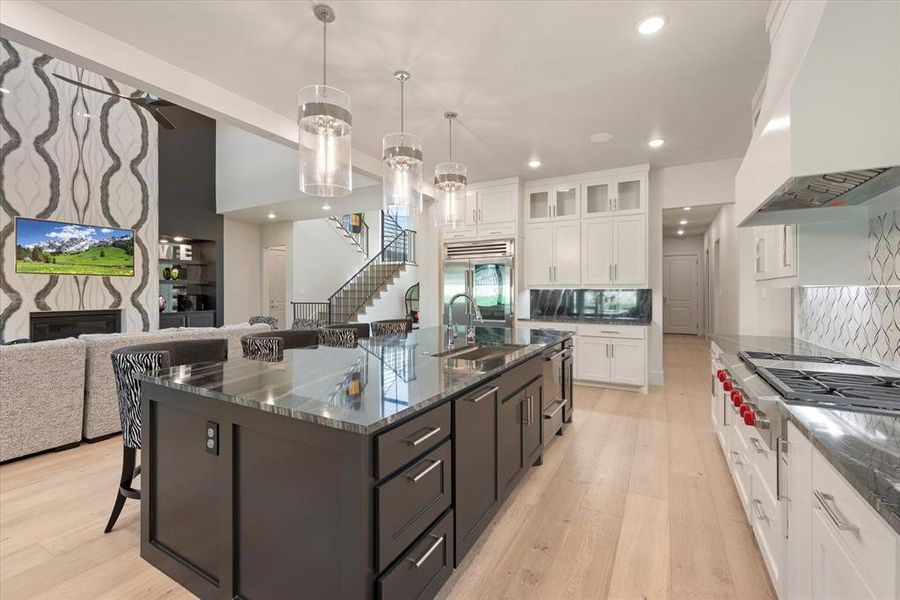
(475,318)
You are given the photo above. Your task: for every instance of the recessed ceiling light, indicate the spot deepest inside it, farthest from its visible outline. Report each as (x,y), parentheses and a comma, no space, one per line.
(271,215)
(656,142)
(687,208)
(602,137)
(178,238)
(3,90)
(163,241)
(652,24)
(680,232)
(326,207)
(534,163)
(682,222)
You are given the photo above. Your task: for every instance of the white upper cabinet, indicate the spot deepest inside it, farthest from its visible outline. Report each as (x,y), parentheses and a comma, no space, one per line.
(560,202)
(565,202)
(630,250)
(631,194)
(491,211)
(598,197)
(597,251)
(553,254)
(567,253)
(539,254)
(538,204)
(623,194)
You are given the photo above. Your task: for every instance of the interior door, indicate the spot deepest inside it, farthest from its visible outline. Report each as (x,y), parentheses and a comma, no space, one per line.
(456,281)
(539,254)
(597,251)
(567,253)
(492,288)
(630,250)
(496,206)
(275,286)
(681,297)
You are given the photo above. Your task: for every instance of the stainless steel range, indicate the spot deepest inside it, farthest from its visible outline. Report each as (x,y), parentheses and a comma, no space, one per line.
(842,382)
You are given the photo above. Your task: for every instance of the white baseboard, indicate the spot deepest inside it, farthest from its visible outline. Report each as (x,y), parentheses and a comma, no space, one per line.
(656,378)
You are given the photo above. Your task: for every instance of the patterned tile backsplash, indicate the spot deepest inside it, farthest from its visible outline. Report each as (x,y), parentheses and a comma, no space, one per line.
(858,320)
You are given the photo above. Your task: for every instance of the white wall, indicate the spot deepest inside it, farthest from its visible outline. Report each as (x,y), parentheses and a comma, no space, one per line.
(323,260)
(725,286)
(243,269)
(697,184)
(654,253)
(428,255)
(681,246)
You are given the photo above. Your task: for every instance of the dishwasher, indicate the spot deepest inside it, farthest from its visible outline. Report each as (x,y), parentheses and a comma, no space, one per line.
(557,405)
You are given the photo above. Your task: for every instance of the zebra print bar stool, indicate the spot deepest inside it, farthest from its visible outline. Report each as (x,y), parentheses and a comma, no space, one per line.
(339,336)
(128,364)
(270,321)
(270,345)
(391,327)
(305,324)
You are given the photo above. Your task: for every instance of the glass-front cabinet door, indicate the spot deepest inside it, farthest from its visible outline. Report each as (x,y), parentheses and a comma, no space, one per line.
(492,289)
(629,194)
(597,196)
(565,202)
(539,205)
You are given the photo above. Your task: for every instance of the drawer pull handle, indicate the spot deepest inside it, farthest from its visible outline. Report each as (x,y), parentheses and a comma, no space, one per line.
(489,392)
(558,408)
(758,509)
(735,459)
(827,503)
(610,332)
(434,465)
(421,560)
(432,431)
(555,355)
(757,444)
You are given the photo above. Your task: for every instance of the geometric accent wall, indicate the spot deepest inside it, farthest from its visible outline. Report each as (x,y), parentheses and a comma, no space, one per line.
(860,320)
(69,154)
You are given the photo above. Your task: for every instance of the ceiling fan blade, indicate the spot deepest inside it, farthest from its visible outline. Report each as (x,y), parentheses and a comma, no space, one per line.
(92,88)
(160,118)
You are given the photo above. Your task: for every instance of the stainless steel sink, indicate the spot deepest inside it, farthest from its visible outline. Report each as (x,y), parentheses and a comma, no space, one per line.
(479,352)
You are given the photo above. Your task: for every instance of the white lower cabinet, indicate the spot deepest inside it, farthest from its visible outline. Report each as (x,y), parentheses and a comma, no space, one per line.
(629,362)
(611,354)
(592,359)
(834,574)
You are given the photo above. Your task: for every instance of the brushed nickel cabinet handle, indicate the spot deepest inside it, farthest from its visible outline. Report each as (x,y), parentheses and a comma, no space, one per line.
(758,509)
(828,505)
(757,445)
(610,272)
(780,460)
(735,458)
(421,560)
(435,463)
(481,397)
(559,406)
(432,431)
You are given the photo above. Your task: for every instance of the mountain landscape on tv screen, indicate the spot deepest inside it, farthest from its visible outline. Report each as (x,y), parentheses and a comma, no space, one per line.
(55,248)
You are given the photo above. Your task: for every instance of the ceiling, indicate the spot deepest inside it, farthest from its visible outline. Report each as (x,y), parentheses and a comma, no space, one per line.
(529,79)
(698,219)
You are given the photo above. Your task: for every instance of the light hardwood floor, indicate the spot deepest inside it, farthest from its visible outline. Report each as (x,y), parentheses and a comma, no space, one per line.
(633,502)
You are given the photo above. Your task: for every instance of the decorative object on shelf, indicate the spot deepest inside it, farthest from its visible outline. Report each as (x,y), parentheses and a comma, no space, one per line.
(166,251)
(185,252)
(174,272)
(325,125)
(450,185)
(162,304)
(184,302)
(167,273)
(402,162)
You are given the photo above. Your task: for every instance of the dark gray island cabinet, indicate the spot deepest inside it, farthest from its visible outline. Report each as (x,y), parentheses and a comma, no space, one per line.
(341,473)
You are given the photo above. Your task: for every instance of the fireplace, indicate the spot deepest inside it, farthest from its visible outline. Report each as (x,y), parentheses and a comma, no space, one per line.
(54,325)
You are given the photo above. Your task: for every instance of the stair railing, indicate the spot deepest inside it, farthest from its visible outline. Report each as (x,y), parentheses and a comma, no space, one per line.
(364,284)
(360,238)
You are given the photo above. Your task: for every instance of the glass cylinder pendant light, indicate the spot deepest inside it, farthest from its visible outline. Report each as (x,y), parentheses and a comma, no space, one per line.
(450,186)
(402,160)
(325,124)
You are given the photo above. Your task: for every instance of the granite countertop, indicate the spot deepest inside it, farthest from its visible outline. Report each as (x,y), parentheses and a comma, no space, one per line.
(863,446)
(359,389)
(592,320)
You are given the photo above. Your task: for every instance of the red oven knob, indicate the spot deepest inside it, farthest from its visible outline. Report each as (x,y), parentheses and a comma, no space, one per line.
(744,409)
(721,374)
(736,398)
(749,418)
(727,386)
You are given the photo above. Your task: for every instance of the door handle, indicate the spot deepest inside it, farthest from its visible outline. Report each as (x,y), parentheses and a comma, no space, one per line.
(421,560)
(432,431)
(481,397)
(434,465)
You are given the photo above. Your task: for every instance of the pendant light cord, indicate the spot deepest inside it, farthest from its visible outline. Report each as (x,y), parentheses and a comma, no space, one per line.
(450,140)
(401,105)
(324,52)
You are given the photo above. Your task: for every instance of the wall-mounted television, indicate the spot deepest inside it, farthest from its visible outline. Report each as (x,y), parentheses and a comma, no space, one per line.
(58,248)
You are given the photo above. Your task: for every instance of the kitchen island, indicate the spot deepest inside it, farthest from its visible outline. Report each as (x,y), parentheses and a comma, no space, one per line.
(343,472)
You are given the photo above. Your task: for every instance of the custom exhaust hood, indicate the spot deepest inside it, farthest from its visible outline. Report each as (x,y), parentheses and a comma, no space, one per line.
(831,141)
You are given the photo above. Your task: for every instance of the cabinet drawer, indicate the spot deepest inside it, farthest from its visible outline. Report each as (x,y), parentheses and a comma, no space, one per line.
(557,325)
(497,230)
(404,443)
(553,419)
(466,232)
(764,461)
(406,504)
(865,535)
(766,520)
(424,568)
(613,331)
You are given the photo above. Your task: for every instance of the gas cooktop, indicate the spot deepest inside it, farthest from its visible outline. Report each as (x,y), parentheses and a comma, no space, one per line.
(843,390)
(831,360)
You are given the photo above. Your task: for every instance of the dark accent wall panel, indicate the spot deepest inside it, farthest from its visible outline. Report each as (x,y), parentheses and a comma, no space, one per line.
(187,187)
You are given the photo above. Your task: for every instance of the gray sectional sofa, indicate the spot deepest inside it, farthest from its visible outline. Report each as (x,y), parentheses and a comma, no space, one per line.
(54,393)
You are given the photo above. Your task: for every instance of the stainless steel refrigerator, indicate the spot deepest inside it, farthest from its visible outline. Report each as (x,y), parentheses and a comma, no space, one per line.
(485,271)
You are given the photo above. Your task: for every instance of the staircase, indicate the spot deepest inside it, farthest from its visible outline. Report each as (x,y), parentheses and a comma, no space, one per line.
(365,286)
(360,239)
